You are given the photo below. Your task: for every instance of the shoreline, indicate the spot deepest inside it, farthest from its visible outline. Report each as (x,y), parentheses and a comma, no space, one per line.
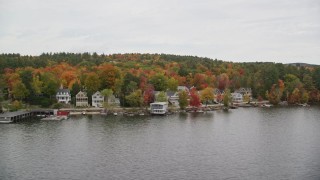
(136,111)
(145,111)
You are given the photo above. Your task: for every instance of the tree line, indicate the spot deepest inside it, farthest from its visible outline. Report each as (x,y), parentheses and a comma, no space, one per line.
(133,77)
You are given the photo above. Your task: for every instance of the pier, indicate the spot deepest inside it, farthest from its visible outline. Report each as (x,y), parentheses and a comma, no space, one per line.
(10,117)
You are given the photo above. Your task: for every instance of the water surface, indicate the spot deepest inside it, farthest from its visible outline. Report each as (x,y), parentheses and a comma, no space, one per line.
(246,143)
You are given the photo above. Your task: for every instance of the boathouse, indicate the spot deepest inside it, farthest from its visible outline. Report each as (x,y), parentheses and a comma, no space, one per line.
(158,108)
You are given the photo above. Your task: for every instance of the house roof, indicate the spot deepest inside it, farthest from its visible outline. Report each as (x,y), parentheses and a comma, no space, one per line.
(182,88)
(82,93)
(171,93)
(243,90)
(160,103)
(97,94)
(63,91)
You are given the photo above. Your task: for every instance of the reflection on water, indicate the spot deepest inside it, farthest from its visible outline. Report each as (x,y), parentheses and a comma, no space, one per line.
(256,143)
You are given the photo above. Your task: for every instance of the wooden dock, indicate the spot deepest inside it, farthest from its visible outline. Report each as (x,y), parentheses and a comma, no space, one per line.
(10,117)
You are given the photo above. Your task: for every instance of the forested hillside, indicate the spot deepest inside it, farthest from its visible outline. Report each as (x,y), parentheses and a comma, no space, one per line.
(35,79)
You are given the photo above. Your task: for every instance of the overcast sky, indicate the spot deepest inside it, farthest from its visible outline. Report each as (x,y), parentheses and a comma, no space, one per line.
(232,30)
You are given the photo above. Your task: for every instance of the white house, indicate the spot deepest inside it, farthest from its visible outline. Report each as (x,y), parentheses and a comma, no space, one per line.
(173,98)
(114,101)
(237,97)
(183,88)
(97,99)
(63,96)
(160,108)
(244,91)
(82,99)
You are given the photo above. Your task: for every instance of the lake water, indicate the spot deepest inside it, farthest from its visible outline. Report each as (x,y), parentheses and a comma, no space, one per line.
(253,143)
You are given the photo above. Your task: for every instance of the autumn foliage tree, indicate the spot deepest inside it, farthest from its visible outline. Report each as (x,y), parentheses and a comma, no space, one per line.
(92,82)
(126,73)
(207,95)
(161,97)
(223,81)
(135,99)
(194,98)
(19,90)
(295,97)
(148,96)
(159,81)
(275,94)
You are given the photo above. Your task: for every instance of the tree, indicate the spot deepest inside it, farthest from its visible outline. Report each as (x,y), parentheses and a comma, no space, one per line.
(16,105)
(246,98)
(207,95)
(160,82)
(19,90)
(226,98)
(305,97)
(37,85)
(276,92)
(135,99)
(295,97)
(92,83)
(129,81)
(199,81)
(50,84)
(183,99)
(308,83)
(161,97)
(173,84)
(148,96)
(291,82)
(132,86)
(316,77)
(75,89)
(106,93)
(223,81)
(194,98)
(108,74)
(26,78)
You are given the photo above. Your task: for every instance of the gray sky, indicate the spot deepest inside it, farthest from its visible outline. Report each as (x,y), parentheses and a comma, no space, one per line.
(232,30)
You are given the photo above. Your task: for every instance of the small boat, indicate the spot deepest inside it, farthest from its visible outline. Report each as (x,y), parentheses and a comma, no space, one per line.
(304,105)
(266,105)
(115,114)
(141,114)
(55,118)
(83,113)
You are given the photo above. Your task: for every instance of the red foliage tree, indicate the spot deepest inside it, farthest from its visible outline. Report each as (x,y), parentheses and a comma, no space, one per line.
(194,98)
(148,96)
(223,81)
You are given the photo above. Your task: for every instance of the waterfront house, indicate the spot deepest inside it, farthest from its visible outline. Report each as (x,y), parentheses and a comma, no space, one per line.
(173,98)
(82,99)
(244,92)
(63,95)
(113,100)
(97,99)
(237,97)
(160,108)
